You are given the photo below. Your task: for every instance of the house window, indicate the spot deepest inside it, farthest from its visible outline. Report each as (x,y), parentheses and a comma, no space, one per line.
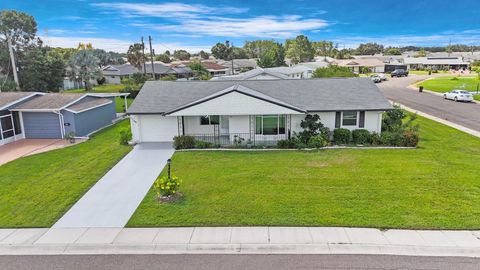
(349,119)
(209,120)
(270,124)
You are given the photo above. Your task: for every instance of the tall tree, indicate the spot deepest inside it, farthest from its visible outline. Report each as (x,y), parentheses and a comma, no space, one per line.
(421,53)
(393,51)
(19,26)
(333,71)
(299,49)
(324,48)
(135,55)
(200,72)
(84,67)
(369,49)
(181,55)
(17,30)
(222,50)
(41,69)
(256,48)
(273,57)
(204,55)
(163,58)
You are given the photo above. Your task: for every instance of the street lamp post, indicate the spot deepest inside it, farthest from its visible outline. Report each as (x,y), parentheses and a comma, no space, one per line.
(169,161)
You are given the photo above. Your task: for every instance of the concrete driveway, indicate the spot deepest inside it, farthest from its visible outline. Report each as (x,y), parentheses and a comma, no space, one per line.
(115,197)
(464,114)
(27,147)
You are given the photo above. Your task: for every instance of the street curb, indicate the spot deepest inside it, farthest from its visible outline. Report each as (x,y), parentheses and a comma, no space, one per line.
(415,88)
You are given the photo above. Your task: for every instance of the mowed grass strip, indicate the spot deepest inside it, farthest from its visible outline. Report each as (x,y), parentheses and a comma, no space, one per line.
(37,190)
(448,83)
(436,186)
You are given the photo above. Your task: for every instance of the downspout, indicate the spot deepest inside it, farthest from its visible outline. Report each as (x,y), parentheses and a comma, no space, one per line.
(62,125)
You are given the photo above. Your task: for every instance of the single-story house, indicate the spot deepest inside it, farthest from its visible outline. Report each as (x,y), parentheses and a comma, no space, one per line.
(254,74)
(259,111)
(239,65)
(34,115)
(435,63)
(114,74)
(357,65)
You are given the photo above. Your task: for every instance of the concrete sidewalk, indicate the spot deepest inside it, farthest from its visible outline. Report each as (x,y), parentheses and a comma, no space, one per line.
(115,197)
(239,240)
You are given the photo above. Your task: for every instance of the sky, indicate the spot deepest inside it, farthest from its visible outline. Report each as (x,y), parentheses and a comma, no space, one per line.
(196,25)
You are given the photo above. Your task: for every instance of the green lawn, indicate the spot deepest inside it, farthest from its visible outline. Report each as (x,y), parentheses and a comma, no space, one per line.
(108,88)
(434,186)
(424,72)
(36,191)
(445,84)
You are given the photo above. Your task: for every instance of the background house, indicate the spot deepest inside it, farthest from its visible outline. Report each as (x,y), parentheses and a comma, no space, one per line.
(29,115)
(436,63)
(362,65)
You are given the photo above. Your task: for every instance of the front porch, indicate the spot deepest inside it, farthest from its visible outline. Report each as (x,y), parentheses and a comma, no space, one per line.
(236,129)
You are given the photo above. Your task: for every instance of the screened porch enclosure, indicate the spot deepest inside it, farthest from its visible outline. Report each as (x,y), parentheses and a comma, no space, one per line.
(10,128)
(236,130)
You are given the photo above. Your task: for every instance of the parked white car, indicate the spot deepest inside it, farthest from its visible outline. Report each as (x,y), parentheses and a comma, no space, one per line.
(459,95)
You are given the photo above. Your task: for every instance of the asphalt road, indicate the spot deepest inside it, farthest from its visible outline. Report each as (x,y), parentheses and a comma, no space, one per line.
(234,262)
(465,114)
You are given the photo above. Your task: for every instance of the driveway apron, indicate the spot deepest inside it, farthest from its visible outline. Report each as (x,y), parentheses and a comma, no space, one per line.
(115,197)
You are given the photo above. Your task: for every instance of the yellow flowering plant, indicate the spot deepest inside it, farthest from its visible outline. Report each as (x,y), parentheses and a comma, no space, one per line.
(165,186)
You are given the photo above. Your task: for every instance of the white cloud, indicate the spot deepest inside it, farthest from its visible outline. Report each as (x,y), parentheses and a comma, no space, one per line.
(468,37)
(261,27)
(167,10)
(117,45)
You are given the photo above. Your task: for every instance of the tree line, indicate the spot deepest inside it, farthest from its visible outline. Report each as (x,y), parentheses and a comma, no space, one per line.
(43,68)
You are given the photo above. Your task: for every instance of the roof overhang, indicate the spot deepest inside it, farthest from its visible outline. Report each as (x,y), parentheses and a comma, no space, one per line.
(20,100)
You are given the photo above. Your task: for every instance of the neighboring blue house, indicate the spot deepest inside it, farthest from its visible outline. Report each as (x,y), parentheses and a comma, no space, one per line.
(27,115)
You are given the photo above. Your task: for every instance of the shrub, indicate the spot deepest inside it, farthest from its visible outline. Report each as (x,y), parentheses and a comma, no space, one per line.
(341,135)
(165,186)
(361,136)
(411,138)
(183,142)
(392,120)
(285,144)
(375,139)
(312,126)
(317,141)
(392,138)
(125,136)
(204,145)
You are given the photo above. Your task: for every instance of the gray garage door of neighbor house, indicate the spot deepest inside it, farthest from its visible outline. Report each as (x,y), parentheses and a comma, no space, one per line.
(43,125)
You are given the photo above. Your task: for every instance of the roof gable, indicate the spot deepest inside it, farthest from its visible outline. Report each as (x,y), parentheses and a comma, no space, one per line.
(236,100)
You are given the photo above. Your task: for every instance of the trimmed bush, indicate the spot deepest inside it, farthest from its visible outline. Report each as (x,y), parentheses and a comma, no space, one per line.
(183,142)
(411,139)
(317,141)
(204,145)
(341,136)
(375,139)
(361,136)
(285,144)
(392,138)
(125,136)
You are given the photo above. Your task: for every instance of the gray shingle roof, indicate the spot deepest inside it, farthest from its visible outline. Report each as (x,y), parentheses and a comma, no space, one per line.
(10,98)
(88,103)
(332,94)
(52,101)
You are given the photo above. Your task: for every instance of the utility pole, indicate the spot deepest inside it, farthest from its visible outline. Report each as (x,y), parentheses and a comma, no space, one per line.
(151,57)
(143,54)
(12,59)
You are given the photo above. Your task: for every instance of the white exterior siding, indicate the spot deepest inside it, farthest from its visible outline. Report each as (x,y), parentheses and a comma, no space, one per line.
(154,128)
(235,103)
(157,128)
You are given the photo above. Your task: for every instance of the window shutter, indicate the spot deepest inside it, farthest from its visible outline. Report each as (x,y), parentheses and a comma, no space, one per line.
(361,123)
(338,118)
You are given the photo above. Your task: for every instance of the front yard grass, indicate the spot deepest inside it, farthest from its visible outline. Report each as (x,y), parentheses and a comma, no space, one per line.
(37,190)
(445,84)
(436,186)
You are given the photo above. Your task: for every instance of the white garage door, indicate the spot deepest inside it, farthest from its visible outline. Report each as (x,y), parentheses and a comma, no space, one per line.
(157,128)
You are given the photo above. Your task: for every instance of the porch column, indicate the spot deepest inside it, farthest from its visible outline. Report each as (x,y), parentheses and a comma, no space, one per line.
(13,127)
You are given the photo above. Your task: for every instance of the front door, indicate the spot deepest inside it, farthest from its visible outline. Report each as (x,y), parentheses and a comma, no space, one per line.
(224,124)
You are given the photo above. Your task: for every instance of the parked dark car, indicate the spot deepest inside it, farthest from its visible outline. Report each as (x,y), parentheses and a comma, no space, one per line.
(399,73)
